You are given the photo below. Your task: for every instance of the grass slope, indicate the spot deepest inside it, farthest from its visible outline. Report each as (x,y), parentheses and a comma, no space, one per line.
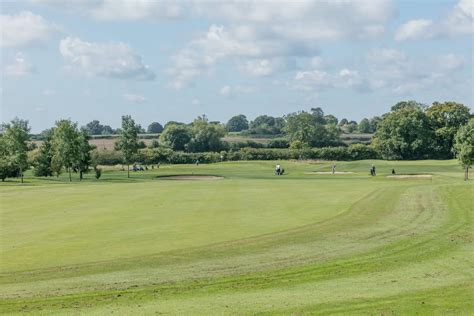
(252,243)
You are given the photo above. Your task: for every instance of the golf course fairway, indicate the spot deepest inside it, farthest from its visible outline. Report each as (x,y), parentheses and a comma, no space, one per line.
(241,240)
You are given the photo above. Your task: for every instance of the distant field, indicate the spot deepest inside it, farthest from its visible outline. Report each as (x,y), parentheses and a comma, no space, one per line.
(251,243)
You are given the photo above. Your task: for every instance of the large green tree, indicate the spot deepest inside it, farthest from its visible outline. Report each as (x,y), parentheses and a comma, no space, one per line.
(176,136)
(65,146)
(407,104)
(237,123)
(303,128)
(7,168)
(15,138)
(205,136)
(128,141)
(446,118)
(404,134)
(464,146)
(267,125)
(154,128)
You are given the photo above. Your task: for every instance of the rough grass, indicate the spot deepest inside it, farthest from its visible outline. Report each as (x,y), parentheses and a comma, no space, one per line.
(252,243)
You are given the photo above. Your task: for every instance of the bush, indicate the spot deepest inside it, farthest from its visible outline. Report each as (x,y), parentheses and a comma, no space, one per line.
(167,155)
(98,172)
(108,157)
(278,143)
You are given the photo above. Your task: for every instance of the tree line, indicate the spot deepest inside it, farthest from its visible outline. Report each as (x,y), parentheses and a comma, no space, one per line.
(263,125)
(410,130)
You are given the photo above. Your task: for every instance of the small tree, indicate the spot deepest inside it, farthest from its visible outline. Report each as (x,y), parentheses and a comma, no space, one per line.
(6,169)
(464,146)
(45,156)
(84,153)
(364,126)
(155,127)
(237,123)
(128,142)
(15,139)
(65,146)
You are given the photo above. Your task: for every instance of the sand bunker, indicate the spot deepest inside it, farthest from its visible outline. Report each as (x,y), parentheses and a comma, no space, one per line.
(329,172)
(411,176)
(190,177)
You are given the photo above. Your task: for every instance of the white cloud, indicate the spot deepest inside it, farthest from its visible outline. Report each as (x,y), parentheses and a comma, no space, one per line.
(112,60)
(48,92)
(415,29)
(261,67)
(459,21)
(135,10)
(135,98)
(24,28)
(264,37)
(19,67)
(316,62)
(118,10)
(196,102)
(450,62)
(229,91)
(312,80)
(389,70)
(225,91)
(461,18)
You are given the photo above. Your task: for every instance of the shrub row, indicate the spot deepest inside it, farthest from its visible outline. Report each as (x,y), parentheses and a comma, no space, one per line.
(166,155)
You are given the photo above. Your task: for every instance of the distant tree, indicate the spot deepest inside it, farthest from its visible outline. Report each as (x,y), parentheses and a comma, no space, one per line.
(205,136)
(84,159)
(140,129)
(128,141)
(446,118)
(173,123)
(351,126)
(364,126)
(404,134)
(154,128)
(374,122)
(44,159)
(343,122)
(65,143)
(318,114)
(94,127)
(237,123)
(330,119)
(107,130)
(407,104)
(303,128)
(267,125)
(464,146)
(15,138)
(176,136)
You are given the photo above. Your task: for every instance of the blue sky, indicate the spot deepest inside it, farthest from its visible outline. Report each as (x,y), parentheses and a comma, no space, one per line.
(175,60)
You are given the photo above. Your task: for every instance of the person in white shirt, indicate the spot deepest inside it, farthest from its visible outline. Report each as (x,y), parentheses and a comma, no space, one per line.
(278,169)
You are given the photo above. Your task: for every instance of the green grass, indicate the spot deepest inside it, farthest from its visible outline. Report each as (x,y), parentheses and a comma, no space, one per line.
(252,243)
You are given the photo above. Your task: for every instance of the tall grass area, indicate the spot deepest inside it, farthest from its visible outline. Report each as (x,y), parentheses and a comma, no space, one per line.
(251,243)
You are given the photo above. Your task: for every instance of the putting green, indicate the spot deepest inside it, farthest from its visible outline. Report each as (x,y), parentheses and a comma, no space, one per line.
(250,243)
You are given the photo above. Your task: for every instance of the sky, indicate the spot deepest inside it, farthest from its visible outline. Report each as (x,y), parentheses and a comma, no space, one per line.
(175,60)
